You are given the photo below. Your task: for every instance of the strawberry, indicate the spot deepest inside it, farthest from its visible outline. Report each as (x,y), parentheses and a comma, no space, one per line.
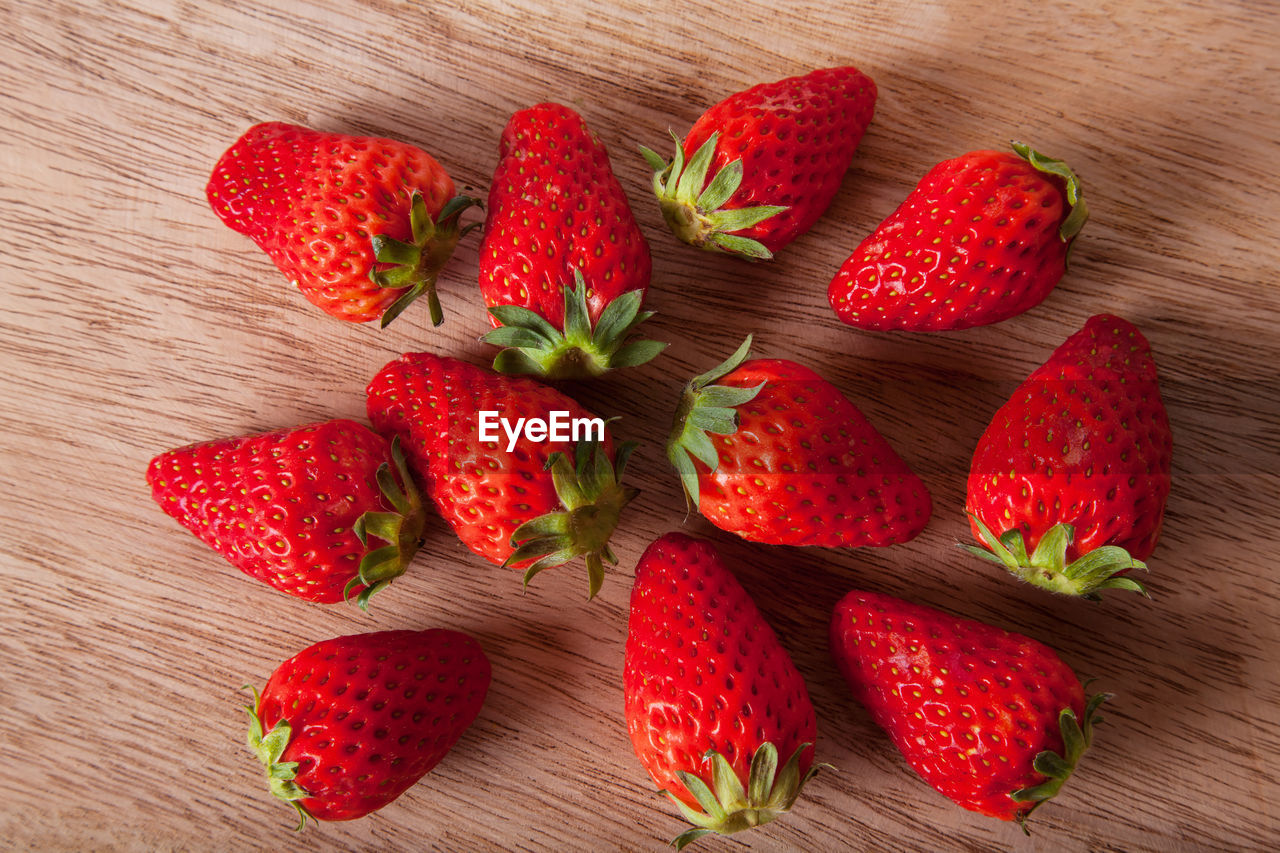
(1074,468)
(776,454)
(712,698)
(348,724)
(759,168)
(563,266)
(991,719)
(982,238)
(361,225)
(297,508)
(516,502)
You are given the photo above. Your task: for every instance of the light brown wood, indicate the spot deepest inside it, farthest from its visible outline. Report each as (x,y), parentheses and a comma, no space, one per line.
(132,321)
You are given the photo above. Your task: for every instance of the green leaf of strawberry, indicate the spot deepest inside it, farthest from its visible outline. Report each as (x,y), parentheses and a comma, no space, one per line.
(269,747)
(401,530)
(414,267)
(1077,737)
(533,346)
(729,808)
(1078,213)
(694,214)
(1047,566)
(706,408)
(592,497)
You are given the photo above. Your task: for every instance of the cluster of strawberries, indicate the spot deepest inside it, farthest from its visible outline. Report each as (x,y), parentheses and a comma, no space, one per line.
(1067,486)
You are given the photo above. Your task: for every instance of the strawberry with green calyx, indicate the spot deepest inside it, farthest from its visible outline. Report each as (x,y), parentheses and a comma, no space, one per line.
(517,502)
(533,346)
(983,237)
(361,225)
(759,168)
(712,698)
(344,727)
(769,450)
(299,508)
(1069,482)
(991,719)
(564,267)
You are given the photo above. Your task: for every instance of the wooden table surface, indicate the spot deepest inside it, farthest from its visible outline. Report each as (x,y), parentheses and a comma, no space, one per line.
(132,321)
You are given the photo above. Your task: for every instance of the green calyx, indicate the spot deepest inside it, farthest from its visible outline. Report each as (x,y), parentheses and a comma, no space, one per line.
(704,409)
(401,530)
(727,807)
(1077,736)
(1047,567)
(533,346)
(1077,210)
(269,747)
(591,493)
(414,267)
(697,215)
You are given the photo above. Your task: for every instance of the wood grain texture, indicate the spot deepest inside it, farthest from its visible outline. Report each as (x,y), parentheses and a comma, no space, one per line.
(132,321)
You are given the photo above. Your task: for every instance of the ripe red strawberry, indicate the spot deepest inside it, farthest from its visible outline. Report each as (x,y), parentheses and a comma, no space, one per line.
(776,454)
(347,725)
(712,698)
(982,238)
(522,503)
(1075,469)
(991,719)
(563,266)
(759,168)
(298,508)
(361,225)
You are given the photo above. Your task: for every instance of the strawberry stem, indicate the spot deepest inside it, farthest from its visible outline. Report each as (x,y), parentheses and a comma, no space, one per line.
(533,346)
(1077,737)
(695,210)
(401,530)
(706,408)
(591,491)
(414,267)
(729,807)
(1047,567)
